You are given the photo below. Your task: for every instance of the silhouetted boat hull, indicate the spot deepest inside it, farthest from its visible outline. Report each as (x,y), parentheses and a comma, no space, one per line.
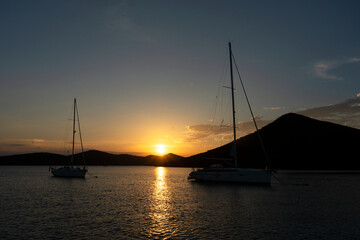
(69,172)
(236,175)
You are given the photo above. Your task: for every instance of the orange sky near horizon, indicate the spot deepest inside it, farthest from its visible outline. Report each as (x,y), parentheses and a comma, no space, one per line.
(142,141)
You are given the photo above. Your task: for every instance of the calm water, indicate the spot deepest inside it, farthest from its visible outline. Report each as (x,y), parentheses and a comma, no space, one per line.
(159,203)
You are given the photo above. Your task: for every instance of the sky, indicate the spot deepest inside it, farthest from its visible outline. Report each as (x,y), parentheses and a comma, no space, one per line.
(149,75)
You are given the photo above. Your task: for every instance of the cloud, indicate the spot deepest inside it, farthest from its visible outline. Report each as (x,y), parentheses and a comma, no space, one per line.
(17,146)
(119,20)
(345,113)
(273,108)
(322,68)
(201,132)
(354,59)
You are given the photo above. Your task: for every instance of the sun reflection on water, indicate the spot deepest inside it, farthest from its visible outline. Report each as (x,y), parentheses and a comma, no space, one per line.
(160,215)
(160,172)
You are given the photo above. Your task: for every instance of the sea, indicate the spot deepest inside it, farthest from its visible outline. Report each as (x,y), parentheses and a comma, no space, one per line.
(143,202)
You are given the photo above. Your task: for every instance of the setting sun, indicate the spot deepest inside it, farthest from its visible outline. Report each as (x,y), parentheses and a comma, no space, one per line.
(161,149)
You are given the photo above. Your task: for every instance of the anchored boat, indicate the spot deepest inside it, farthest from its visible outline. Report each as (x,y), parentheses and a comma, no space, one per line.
(72,171)
(235,174)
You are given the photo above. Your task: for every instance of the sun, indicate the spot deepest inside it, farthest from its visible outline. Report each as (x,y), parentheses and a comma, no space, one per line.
(160,149)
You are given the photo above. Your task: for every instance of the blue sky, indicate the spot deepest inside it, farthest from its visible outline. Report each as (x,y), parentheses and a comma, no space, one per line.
(147,72)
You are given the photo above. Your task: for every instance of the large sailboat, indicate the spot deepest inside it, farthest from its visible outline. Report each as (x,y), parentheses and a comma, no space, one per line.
(72,171)
(234,174)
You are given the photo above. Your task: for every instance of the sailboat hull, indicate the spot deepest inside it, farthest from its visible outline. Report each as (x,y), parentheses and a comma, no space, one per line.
(235,175)
(69,172)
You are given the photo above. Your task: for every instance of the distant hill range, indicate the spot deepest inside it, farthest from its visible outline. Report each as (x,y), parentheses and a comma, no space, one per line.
(92,157)
(292,142)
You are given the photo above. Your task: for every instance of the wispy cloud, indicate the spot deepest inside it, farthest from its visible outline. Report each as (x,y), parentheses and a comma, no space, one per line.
(346,113)
(196,133)
(273,108)
(322,68)
(16,146)
(119,20)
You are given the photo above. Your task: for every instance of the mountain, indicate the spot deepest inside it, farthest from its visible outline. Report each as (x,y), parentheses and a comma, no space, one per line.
(92,157)
(293,142)
(31,159)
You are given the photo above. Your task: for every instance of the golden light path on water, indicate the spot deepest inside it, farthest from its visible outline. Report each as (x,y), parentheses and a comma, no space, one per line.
(160,214)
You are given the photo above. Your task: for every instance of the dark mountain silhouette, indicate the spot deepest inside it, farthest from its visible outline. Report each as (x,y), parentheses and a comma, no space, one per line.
(292,142)
(298,142)
(92,157)
(31,159)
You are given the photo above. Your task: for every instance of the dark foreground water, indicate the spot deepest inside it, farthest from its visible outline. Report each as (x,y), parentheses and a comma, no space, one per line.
(159,203)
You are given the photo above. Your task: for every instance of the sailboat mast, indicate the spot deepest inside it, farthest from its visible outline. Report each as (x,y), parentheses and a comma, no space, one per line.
(81,142)
(74,130)
(233,104)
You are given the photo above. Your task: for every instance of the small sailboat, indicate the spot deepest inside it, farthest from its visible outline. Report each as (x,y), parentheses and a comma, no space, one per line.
(234,174)
(72,171)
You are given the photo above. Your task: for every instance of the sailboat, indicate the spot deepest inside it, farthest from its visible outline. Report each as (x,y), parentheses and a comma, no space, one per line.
(234,174)
(72,171)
